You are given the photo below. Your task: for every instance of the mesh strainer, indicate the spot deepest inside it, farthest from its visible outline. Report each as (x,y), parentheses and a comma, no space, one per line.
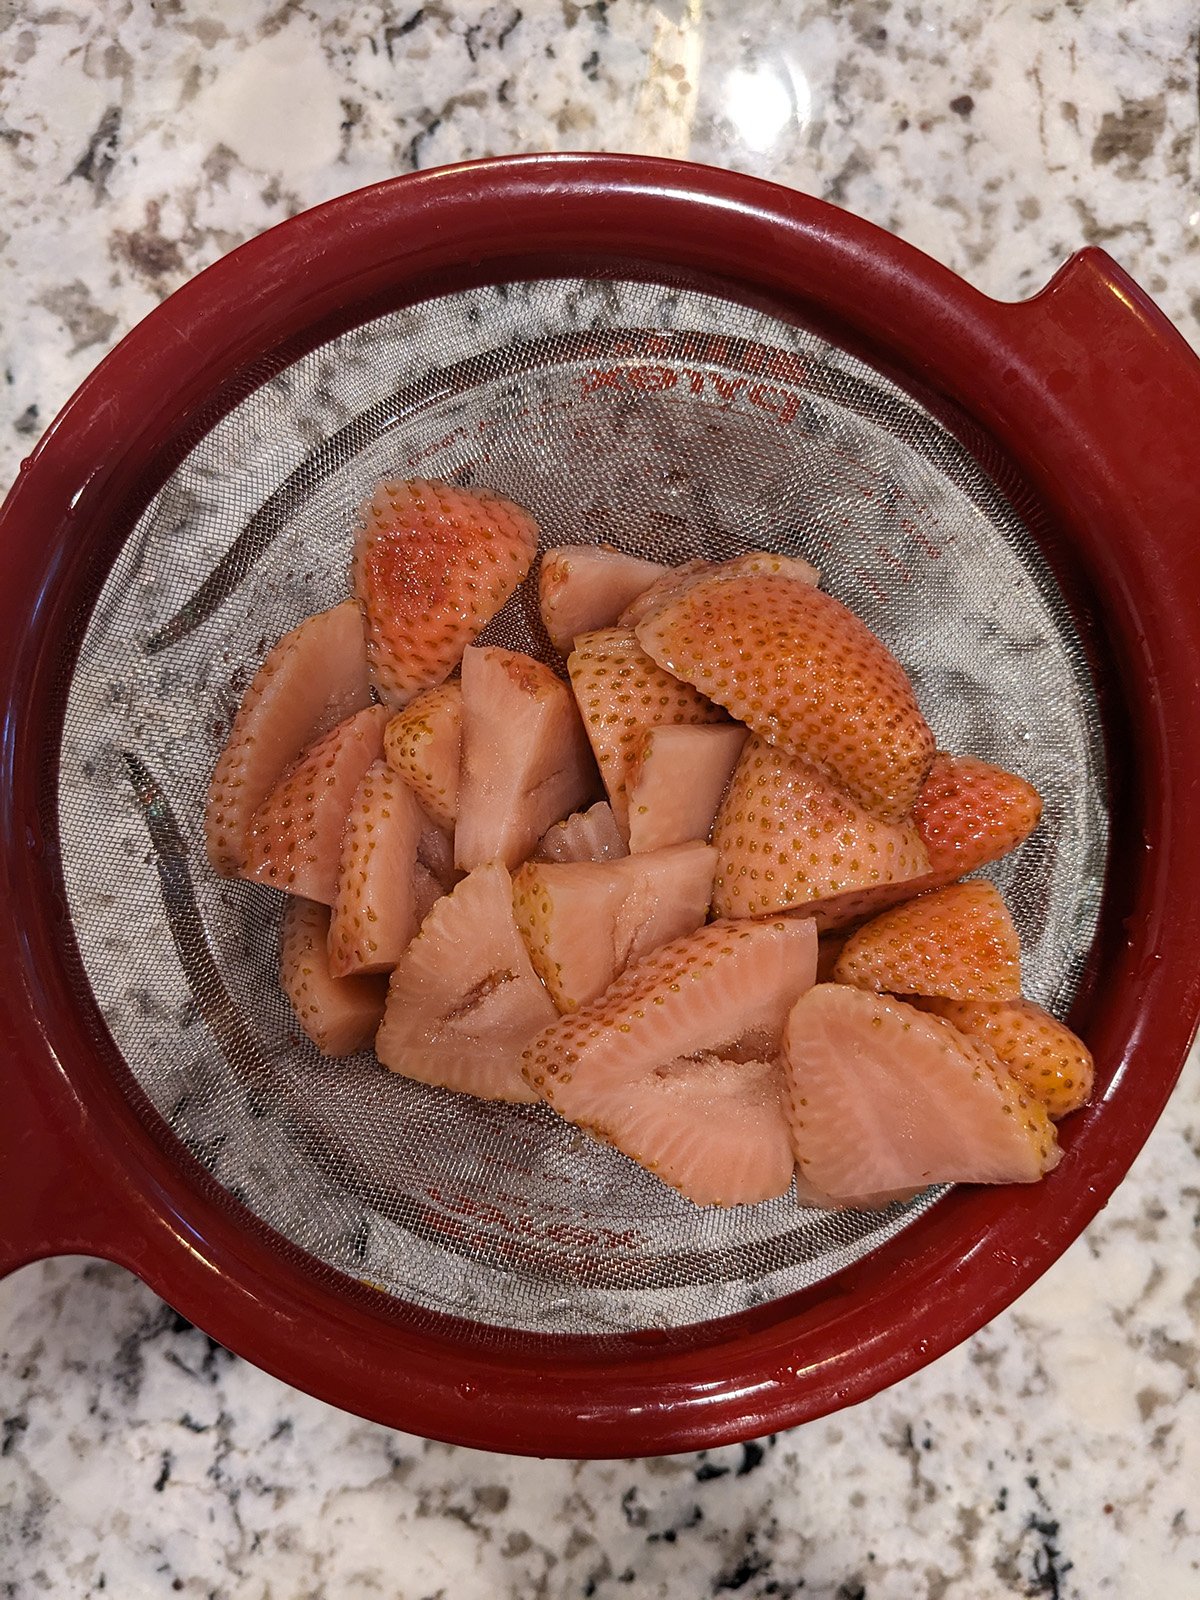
(680,362)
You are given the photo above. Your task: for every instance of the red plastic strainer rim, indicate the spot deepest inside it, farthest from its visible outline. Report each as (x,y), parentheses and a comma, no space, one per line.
(1019,372)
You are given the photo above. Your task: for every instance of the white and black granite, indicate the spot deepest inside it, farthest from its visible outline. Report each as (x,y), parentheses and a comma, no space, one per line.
(1055,1454)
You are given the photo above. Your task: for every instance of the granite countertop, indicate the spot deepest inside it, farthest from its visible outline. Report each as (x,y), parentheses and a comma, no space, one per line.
(1056,1453)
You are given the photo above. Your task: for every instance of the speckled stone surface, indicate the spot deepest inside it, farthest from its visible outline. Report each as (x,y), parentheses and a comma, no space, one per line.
(1057,1453)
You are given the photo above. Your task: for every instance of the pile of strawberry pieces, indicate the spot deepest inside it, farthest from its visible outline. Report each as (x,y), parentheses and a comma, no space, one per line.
(627,894)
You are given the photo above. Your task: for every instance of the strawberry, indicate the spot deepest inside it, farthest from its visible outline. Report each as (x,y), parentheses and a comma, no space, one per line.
(422,744)
(311,680)
(957,943)
(584,922)
(621,693)
(806,674)
(585,586)
(884,1099)
(786,837)
(676,1063)
(590,835)
(464,1000)
(375,911)
(339,1015)
(433,563)
(969,813)
(1042,1054)
(296,834)
(525,757)
(676,781)
(678,580)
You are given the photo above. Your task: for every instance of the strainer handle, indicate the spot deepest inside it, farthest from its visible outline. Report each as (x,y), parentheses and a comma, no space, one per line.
(61,1191)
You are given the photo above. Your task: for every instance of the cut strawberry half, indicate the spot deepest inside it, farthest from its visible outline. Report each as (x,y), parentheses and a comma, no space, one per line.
(884,1099)
(678,580)
(423,744)
(957,943)
(970,813)
(676,1063)
(786,837)
(314,678)
(464,1000)
(621,693)
(525,757)
(1042,1054)
(339,1015)
(586,586)
(584,922)
(296,835)
(802,671)
(433,563)
(375,909)
(590,835)
(675,783)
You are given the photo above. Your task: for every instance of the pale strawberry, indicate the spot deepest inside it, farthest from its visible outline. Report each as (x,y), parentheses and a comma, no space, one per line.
(801,670)
(375,909)
(314,678)
(339,1015)
(464,1000)
(957,943)
(584,922)
(525,757)
(621,693)
(969,813)
(676,1063)
(423,744)
(433,563)
(296,834)
(590,835)
(786,837)
(585,586)
(676,781)
(884,1099)
(672,582)
(1042,1054)
(678,580)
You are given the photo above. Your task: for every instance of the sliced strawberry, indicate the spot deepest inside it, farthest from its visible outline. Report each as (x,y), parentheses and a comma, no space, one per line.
(676,781)
(525,757)
(786,837)
(678,580)
(314,678)
(672,582)
(676,1063)
(957,943)
(339,1015)
(423,744)
(884,1099)
(805,673)
(584,922)
(433,563)
(585,586)
(296,835)
(621,693)
(1042,1054)
(969,813)
(590,835)
(464,1000)
(375,911)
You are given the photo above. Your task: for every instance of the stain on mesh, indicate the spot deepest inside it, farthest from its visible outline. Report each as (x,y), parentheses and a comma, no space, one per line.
(671,424)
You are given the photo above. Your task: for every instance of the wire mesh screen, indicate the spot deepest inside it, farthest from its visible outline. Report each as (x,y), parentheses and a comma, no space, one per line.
(672,425)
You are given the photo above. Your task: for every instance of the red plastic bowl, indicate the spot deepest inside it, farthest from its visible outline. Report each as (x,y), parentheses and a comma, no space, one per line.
(1085,390)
